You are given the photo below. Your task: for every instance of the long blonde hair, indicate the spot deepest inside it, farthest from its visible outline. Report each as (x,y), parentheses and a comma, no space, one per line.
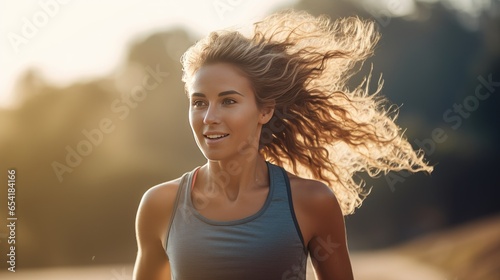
(300,64)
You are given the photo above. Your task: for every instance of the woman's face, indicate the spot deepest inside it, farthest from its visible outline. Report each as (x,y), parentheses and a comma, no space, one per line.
(223,112)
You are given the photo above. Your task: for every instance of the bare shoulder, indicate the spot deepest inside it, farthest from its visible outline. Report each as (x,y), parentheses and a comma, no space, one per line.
(155,210)
(151,225)
(313,193)
(160,195)
(316,207)
(321,223)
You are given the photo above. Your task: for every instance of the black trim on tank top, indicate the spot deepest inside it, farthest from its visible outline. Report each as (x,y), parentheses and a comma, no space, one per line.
(292,210)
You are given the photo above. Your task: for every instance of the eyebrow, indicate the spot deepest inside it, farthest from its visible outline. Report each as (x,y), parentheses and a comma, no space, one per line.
(224,93)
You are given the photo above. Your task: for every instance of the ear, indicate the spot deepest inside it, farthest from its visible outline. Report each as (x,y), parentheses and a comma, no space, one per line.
(266,114)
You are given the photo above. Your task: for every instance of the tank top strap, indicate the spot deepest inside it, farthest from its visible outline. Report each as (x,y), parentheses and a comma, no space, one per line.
(179,200)
(282,192)
(278,180)
(269,240)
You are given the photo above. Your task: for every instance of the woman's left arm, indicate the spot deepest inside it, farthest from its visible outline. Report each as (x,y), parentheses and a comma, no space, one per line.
(328,246)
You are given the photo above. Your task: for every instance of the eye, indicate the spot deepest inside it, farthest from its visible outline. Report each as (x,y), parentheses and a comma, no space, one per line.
(228,101)
(197,103)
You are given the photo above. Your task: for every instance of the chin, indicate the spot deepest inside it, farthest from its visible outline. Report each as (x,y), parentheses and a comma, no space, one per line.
(219,155)
(213,156)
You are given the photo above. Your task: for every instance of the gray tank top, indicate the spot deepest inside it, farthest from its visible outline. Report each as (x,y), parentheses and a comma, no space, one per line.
(265,245)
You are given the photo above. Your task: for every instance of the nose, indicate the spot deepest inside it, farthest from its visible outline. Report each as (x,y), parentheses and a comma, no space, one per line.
(211,115)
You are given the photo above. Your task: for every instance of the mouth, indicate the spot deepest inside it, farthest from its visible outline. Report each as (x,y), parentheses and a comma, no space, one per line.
(215,136)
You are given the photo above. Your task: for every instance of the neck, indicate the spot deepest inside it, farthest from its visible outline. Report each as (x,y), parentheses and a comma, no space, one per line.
(231,177)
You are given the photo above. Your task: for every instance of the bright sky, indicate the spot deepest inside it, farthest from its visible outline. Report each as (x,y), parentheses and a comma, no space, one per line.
(72,39)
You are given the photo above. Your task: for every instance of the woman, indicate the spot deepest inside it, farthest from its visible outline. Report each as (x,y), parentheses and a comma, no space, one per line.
(259,104)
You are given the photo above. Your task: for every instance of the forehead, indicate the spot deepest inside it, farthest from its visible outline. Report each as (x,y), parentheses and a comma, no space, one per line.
(219,77)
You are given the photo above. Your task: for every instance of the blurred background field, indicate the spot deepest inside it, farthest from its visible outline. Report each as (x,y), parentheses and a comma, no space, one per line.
(85,149)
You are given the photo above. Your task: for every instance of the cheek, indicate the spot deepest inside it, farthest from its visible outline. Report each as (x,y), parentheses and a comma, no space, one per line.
(247,119)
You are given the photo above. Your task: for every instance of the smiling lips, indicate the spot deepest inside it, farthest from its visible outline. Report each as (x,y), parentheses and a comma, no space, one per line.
(215,136)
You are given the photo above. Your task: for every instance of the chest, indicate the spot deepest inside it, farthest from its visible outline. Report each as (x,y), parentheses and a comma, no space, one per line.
(250,250)
(218,207)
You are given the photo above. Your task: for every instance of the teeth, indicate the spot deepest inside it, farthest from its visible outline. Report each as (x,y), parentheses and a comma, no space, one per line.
(216,136)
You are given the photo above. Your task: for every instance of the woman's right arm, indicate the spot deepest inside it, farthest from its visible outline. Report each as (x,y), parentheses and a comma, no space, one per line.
(152,222)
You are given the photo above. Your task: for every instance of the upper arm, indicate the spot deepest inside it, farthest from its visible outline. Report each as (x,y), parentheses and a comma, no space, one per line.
(328,245)
(152,222)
